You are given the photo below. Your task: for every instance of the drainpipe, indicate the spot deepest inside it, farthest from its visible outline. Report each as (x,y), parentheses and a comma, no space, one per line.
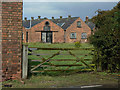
(30,23)
(64,36)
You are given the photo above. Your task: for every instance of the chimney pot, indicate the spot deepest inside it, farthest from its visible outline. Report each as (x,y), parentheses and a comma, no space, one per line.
(69,16)
(45,17)
(25,18)
(39,17)
(52,17)
(60,17)
(87,18)
(32,18)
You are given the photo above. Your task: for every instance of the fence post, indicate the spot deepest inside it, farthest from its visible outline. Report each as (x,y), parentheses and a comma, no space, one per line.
(25,62)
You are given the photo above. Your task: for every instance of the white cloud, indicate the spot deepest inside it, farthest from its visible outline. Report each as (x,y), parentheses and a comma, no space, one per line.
(46,9)
(71,0)
(41,9)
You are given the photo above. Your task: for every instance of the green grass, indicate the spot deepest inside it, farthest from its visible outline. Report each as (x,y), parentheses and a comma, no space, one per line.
(33,57)
(63,79)
(46,51)
(50,52)
(59,45)
(74,80)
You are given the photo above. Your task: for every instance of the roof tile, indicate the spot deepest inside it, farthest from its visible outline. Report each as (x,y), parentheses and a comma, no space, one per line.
(63,23)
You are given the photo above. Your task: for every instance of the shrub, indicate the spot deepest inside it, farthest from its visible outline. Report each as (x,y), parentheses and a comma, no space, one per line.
(106,39)
(77,44)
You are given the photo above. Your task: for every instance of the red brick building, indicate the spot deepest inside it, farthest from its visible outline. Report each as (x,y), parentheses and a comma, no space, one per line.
(59,30)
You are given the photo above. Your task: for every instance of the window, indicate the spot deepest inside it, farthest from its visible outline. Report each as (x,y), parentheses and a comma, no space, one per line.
(46,23)
(73,35)
(84,36)
(79,24)
(26,36)
(22,36)
(46,28)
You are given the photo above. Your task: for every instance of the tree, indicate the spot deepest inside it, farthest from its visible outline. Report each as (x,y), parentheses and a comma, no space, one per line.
(106,39)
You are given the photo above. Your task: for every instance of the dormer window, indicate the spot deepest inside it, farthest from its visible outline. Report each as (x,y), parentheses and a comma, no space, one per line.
(79,24)
(46,27)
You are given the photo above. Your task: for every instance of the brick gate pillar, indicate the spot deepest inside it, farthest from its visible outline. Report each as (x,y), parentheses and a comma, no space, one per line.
(11,40)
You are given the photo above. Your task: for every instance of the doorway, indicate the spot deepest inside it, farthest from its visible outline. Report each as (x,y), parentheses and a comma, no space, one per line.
(46,37)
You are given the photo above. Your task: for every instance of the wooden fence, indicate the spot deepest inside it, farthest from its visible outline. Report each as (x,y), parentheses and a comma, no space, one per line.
(48,60)
(43,67)
(25,62)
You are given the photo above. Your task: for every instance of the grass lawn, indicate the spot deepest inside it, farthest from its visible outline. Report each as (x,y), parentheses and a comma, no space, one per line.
(66,81)
(59,45)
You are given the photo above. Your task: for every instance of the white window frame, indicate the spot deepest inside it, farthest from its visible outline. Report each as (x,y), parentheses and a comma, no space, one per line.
(79,25)
(71,37)
(85,35)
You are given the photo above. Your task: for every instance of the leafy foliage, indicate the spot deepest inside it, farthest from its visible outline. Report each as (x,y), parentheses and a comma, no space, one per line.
(77,44)
(106,39)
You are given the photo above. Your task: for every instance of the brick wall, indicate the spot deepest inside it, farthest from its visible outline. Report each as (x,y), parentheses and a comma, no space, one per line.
(58,37)
(74,29)
(11,40)
(33,36)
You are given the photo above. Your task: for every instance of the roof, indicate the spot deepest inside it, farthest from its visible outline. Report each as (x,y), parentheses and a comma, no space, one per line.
(31,23)
(62,22)
(26,23)
(90,24)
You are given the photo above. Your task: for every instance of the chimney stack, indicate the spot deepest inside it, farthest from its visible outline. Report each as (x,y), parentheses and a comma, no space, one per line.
(45,17)
(86,18)
(60,17)
(25,18)
(39,17)
(52,17)
(69,16)
(32,18)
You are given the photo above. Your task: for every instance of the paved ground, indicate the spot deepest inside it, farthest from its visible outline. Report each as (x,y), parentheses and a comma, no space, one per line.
(95,86)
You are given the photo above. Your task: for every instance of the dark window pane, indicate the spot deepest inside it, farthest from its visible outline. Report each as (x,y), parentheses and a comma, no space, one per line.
(78,24)
(73,35)
(26,36)
(47,23)
(46,28)
(84,35)
(22,36)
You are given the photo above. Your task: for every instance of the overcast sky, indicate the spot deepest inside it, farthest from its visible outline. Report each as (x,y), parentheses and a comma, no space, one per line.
(70,0)
(56,9)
